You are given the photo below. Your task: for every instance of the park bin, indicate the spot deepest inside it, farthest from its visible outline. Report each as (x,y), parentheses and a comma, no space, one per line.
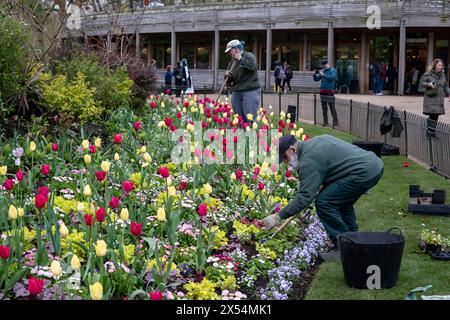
(361,252)
(375,147)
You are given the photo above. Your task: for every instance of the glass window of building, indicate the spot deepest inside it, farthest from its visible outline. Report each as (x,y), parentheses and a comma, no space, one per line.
(202,59)
(347,59)
(441,52)
(188,52)
(291,54)
(318,54)
(382,52)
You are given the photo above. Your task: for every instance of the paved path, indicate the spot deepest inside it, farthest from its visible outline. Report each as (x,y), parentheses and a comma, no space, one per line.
(408,103)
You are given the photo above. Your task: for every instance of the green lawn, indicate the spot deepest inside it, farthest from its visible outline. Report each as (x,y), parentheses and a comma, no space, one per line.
(385,207)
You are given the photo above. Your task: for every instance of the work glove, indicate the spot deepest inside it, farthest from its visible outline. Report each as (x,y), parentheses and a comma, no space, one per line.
(238,56)
(227,74)
(271,221)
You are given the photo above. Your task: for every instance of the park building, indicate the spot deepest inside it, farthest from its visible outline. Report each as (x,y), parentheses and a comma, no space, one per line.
(351,34)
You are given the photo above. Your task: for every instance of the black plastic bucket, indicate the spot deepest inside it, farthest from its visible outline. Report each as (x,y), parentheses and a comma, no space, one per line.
(375,147)
(361,252)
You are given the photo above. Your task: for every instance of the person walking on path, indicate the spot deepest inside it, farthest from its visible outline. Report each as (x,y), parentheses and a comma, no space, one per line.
(328,78)
(287,80)
(168,78)
(376,76)
(391,75)
(242,78)
(178,75)
(436,88)
(333,172)
(279,75)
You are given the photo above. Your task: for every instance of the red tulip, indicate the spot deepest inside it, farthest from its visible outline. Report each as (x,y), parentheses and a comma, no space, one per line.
(291,125)
(261,186)
(100,214)
(168,121)
(153,104)
(35,286)
(406,164)
(156,295)
(55,147)
(88,219)
(92,149)
(202,210)
(19,175)
(136,229)
(168,91)
(127,186)
(45,169)
(8,184)
(183,185)
(235,139)
(4,252)
(164,172)
(179,115)
(186,104)
(43,191)
(118,138)
(256,171)
(40,201)
(100,175)
(204,124)
(172,128)
(306,137)
(114,202)
(282,124)
(288,174)
(137,126)
(239,174)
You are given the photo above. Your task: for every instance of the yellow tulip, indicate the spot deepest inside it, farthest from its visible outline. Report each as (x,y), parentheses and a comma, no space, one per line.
(81,207)
(32,146)
(85,144)
(100,248)
(161,124)
(147,157)
(143,149)
(161,215)
(96,291)
(98,142)
(106,165)
(20,212)
(124,214)
(12,212)
(75,262)
(55,268)
(3,170)
(208,188)
(169,181)
(63,230)
(233,176)
(250,117)
(87,159)
(116,156)
(172,191)
(255,125)
(87,190)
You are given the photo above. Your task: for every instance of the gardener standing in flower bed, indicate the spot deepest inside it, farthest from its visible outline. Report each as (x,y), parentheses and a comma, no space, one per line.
(242,76)
(345,173)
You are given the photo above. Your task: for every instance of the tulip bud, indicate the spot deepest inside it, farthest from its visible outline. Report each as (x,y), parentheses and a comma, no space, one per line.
(100,248)
(12,212)
(106,165)
(87,159)
(3,170)
(55,268)
(161,215)
(124,214)
(85,144)
(96,291)
(171,191)
(233,176)
(32,146)
(75,262)
(98,142)
(87,190)
(147,157)
(20,212)
(63,230)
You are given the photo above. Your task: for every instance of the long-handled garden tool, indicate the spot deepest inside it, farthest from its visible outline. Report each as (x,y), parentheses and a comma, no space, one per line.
(226,80)
(289,220)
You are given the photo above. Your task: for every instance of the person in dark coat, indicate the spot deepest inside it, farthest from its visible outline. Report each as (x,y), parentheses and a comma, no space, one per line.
(178,75)
(168,78)
(391,75)
(288,76)
(279,75)
(436,88)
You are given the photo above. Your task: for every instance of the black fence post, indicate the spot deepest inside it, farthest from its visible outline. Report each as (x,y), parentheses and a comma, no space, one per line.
(262,98)
(367,121)
(406,133)
(298,107)
(315,109)
(351,114)
(279,103)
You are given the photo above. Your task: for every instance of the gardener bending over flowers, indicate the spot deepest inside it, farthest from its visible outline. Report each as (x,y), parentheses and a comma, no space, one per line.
(333,172)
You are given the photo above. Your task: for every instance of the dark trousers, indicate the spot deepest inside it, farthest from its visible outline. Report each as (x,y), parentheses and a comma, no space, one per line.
(329,101)
(432,123)
(278,86)
(334,205)
(288,82)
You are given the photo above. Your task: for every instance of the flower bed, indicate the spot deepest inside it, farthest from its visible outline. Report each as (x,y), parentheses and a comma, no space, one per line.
(82,218)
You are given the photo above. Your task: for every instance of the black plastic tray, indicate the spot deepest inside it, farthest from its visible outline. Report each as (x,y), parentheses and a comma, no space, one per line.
(430,209)
(445,256)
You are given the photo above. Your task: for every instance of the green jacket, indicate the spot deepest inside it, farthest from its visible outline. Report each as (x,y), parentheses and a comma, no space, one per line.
(245,73)
(325,159)
(433,101)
